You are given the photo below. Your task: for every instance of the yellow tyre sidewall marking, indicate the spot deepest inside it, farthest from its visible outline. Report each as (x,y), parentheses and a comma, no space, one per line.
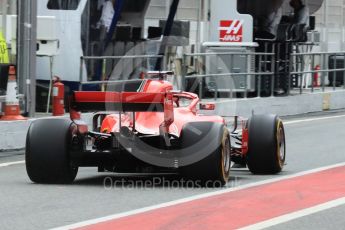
(225,138)
(279,130)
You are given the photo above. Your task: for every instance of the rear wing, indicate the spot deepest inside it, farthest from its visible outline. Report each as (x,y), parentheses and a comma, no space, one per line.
(120,101)
(124,102)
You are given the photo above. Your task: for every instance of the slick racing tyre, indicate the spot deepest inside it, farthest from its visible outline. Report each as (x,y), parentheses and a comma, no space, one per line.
(47,152)
(266,148)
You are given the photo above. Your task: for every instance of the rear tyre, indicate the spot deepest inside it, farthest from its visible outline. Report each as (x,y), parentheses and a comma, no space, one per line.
(213,170)
(47,152)
(266,148)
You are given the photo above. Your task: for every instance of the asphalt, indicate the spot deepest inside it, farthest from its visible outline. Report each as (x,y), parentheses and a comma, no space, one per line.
(25,205)
(329,219)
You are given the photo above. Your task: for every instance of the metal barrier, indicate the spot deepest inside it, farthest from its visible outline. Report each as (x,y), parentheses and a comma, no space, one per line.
(264,68)
(141,61)
(298,68)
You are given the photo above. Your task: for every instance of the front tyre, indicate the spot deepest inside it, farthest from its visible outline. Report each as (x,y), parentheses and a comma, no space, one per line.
(267,146)
(47,152)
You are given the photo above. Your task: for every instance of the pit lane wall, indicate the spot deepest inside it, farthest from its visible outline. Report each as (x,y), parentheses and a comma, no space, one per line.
(283,106)
(13,133)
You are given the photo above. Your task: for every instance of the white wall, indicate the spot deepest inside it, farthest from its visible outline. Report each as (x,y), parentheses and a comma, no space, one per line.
(330,22)
(188,10)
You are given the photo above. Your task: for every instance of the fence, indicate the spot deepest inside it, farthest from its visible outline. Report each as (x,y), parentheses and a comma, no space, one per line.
(248,74)
(301,71)
(303,67)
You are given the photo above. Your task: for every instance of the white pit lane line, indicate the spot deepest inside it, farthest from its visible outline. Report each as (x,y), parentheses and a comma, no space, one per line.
(296,215)
(220,192)
(11,163)
(312,119)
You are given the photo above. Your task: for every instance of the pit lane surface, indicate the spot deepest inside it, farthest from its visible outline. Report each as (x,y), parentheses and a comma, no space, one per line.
(313,142)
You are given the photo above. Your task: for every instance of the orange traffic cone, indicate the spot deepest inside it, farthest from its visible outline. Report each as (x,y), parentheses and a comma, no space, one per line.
(12,110)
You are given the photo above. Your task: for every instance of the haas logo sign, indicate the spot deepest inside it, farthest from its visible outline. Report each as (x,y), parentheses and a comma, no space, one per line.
(231,31)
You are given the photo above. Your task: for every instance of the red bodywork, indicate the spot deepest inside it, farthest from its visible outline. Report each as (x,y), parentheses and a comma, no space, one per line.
(157,108)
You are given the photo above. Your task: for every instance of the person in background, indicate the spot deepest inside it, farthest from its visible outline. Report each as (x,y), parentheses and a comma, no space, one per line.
(268,24)
(301,12)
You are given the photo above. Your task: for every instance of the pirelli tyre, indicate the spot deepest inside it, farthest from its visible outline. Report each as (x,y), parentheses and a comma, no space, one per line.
(214,169)
(266,147)
(47,152)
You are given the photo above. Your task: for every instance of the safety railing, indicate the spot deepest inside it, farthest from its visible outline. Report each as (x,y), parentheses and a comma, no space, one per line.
(249,74)
(124,66)
(323,70)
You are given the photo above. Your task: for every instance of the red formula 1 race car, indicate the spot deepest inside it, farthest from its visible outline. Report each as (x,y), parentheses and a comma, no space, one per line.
(143,126)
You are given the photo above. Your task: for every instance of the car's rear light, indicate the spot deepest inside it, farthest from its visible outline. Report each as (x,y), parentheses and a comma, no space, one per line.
(209,106)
